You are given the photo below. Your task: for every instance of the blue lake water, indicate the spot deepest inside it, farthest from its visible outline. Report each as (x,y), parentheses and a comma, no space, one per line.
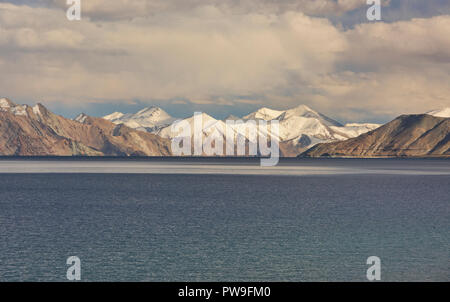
(195,220)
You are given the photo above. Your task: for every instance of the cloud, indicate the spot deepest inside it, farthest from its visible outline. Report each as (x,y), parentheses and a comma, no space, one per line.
(405,43)
(209,54)
(130,9)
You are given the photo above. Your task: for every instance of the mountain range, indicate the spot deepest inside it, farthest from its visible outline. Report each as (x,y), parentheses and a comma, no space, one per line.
(30,131)
(300,127)
(148,119)
(26,130)
(422,135)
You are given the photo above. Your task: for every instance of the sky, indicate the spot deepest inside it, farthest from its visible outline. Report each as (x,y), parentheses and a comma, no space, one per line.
(227,56)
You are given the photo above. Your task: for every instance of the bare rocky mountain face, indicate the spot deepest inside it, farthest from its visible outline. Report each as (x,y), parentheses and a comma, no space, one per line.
(26,130)
(420,135)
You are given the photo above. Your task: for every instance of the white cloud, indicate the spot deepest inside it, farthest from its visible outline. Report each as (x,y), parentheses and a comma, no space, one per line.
(406,42)
(129,9)
(207,54)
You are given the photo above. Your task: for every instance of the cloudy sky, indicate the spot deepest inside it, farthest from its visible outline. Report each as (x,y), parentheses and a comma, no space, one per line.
(227,56)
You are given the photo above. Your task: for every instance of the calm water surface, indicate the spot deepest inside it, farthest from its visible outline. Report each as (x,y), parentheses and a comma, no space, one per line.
(307,221)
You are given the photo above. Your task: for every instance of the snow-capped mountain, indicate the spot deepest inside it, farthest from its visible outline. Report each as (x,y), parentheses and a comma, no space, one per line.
(149,119)
(302,124)
(36,131)
(209,124)
(417,135)
(264,114)
(354,129)
(299,128)
(18,110)
(306,112)
(81,118)
(440,112)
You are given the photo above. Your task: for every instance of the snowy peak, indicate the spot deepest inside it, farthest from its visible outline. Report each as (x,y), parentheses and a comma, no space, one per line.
(149,118)
(299,111)
(440,112)
(300,126)
(151,112)
(81,118)
(296,126)
(305,111)
(353,130)
(113,116)
(18,110)
(6,103)
(35,112)
(297,122)
(209,124)
(35,131)
(264,114)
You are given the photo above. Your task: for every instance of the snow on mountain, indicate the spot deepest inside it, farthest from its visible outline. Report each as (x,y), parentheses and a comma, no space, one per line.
(37,110)
(298,121)
(440,112)
(353,130)
(5,103)
(302,124)
(305,111)
(209,125)
(8,106)
(36,131)
(263,114)
(19,110)
(113,116)
(300,127)
(148,119)
(302,120)
(216,128)
(81,118)
(305,127)
(297,125)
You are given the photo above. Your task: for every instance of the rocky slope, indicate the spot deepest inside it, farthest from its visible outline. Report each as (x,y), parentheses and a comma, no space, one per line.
(26,130)
(407,135)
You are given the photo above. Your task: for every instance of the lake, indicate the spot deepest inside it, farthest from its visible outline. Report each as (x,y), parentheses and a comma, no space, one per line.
(224,219)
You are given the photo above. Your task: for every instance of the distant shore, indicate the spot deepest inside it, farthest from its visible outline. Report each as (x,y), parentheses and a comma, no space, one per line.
(203,158)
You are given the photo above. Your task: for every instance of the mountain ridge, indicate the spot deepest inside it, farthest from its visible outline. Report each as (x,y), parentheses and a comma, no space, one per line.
(26,130)
(35,130)
(147,119)
(418,135)
(298,126)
